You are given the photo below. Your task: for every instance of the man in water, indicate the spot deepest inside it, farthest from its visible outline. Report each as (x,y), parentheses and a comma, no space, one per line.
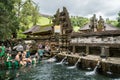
(18,56)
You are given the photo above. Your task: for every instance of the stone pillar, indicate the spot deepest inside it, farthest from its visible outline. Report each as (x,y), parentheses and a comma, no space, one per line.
(102,55)
(104,51)
(74,50)
(107,51)
(87,50)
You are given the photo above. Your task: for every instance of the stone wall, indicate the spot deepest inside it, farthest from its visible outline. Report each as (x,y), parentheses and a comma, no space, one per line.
(80,49)
(114,52)
(95,50)
(96,39)
(86,63)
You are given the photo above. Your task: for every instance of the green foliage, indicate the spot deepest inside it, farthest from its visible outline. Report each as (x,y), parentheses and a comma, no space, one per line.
(78,21)
(44,21)
(28,14)
(118,25)
(29,9)
(20,35)
(17,16)
(76,28)
(112,22)
(41,21)
(8,20)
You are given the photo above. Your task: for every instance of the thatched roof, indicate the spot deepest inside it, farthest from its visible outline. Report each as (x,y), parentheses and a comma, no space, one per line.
(109,30)
(85,27)
(110,27)
(31,30)
(37,29)
(107,27)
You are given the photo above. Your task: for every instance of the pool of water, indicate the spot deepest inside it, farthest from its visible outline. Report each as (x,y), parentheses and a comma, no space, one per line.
(49,71)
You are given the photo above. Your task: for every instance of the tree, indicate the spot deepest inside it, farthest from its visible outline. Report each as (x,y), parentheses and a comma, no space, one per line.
(8,20)
(112,22)
(28,14)
(78,21)
(118,25)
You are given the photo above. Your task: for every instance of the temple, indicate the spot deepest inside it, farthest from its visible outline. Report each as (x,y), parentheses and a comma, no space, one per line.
(94,42)
(97,37)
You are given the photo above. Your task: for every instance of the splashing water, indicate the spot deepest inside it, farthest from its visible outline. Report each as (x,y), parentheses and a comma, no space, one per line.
(94,71)
(72,67)
(62,60)
(53,59)
(108,72)
(46,71)
(88,68)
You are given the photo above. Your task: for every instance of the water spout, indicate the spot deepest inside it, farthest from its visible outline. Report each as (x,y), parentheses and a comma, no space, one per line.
(108,72)
(72,67)
(94,71)
(89,68)
(53,59)
(62,60)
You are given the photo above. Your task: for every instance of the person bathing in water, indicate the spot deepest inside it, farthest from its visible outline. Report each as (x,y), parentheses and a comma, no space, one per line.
(40,53)
(23,60)
(17,57)
(26,58)
(20,58)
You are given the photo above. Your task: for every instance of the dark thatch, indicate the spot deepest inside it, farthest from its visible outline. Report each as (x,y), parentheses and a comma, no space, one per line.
(107,27)
(37,29)
(32,29)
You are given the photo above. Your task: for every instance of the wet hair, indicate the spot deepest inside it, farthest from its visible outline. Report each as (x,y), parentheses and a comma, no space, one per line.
(20,57)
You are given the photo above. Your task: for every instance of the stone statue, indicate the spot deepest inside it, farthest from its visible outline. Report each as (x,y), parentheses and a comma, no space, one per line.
(100,26)
(93,23)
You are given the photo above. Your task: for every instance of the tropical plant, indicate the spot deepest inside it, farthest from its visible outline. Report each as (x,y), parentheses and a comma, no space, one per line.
(28,14)
(118,25)
(78,21)
(8,20)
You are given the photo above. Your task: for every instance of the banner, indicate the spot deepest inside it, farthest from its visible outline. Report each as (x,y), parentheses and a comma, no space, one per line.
(57,29)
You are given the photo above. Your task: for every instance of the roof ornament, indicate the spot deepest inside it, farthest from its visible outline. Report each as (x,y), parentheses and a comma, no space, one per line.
(100,26)
(93,23)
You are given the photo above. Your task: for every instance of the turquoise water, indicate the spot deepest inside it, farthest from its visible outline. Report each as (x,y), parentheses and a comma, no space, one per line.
(49,71)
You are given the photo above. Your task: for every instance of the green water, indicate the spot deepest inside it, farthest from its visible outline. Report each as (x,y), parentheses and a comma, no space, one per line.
(49,71)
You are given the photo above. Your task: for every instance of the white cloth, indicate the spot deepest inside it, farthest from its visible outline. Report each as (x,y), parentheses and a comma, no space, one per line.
(19,47)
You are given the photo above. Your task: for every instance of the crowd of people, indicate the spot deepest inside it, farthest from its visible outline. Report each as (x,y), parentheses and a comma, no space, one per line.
(23,55)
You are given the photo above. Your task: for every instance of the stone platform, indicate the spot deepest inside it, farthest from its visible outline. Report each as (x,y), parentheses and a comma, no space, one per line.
(111,64)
